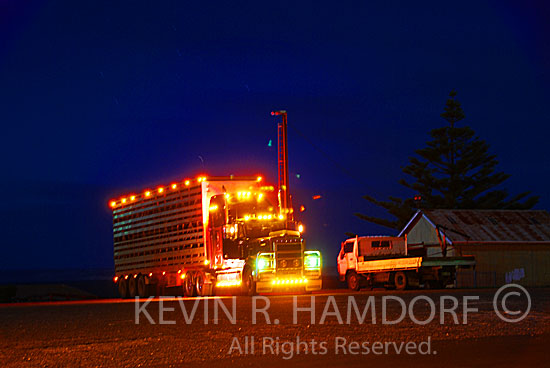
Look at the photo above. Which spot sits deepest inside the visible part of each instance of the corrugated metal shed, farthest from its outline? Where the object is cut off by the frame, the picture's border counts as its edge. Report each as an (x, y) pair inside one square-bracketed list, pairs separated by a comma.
[(488, 226)]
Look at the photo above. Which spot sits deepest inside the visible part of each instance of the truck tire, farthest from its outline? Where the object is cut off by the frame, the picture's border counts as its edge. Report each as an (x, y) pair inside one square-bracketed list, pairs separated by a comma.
[(189, 285), (248, 285), (353, 280), (400, 280), (200, 279), (132, 286), (122, 287), (142, 287)]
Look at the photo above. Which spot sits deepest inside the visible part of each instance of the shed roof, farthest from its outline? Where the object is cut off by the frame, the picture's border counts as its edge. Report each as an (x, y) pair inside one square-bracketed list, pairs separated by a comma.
[(488, 225)]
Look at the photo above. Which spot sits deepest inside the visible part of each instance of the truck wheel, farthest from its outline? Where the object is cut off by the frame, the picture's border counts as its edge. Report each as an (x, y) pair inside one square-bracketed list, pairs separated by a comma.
[(248, 285), (142, 288), (353, 281), (132, 287), (199, 283), (122, 287), (189, 285), (400, 280)]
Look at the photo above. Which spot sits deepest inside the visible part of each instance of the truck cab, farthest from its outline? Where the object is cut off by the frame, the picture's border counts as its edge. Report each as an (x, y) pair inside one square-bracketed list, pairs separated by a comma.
[(347, 259), (256, 248)]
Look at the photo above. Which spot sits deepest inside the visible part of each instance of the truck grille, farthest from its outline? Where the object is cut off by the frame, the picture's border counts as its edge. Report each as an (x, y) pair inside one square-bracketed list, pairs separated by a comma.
[(289, 263), (289, 256)]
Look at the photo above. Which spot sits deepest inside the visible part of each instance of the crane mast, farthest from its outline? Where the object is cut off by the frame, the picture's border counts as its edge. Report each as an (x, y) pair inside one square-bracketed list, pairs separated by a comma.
[(282, 160)]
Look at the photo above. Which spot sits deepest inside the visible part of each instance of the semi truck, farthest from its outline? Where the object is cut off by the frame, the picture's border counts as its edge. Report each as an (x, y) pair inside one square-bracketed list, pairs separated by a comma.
[(209, 234), (386, 261)]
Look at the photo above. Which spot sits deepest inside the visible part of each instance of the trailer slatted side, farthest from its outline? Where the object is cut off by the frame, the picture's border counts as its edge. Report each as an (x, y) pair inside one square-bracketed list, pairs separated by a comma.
[(163, 231)]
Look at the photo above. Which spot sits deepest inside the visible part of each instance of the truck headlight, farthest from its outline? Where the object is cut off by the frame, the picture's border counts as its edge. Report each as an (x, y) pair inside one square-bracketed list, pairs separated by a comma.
[(264, 262), (312, 259)]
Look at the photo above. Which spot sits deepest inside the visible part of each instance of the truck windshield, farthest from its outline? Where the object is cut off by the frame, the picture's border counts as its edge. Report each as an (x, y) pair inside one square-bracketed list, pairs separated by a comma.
[(256, 211), (248, 205), (259, 229)]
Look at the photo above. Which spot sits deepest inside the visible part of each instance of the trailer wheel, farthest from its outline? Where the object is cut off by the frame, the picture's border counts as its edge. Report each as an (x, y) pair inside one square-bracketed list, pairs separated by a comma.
[(400, 280), (142, 288), (248, 286), (132, 287), (189, 285), (353, 280), (199, 283), (122, 288)]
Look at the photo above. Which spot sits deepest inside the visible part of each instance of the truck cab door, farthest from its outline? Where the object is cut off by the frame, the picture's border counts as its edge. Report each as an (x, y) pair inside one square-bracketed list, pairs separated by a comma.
[(346, 258), (350, 251), (341, 261)]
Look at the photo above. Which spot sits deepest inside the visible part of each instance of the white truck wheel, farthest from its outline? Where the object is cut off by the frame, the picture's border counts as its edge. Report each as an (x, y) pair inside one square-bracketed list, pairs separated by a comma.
[(353, 280)]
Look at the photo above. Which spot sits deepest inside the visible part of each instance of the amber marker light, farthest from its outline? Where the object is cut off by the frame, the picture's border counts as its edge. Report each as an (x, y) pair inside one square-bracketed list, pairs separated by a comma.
[(228, 283), (187, 182), (160, 190), (112, 204), (174, 186), (123, 200), (147, 193), (133, 198), (259, 178)]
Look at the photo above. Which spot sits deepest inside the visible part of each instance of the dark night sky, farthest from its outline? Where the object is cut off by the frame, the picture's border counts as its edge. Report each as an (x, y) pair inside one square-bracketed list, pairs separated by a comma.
[(100, 98)]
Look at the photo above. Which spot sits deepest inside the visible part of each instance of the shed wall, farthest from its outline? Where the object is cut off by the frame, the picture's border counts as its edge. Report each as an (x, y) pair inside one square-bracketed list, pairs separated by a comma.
[(498, 264)]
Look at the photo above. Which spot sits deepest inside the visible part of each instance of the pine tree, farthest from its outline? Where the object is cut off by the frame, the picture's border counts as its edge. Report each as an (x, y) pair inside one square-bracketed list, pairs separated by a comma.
[(454, 171)]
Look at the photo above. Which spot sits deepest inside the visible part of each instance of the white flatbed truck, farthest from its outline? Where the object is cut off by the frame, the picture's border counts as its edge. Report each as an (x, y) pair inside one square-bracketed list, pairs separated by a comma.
[(386, 261)]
